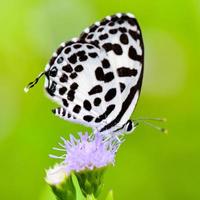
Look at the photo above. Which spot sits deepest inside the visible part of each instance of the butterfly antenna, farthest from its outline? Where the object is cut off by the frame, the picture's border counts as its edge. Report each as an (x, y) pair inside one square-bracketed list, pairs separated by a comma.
[(31, 84), (151, 119), (146, 122)]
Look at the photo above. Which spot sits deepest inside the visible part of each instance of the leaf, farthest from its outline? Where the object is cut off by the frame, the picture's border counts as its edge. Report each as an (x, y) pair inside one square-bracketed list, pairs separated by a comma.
[(79, 194), (110, 195)]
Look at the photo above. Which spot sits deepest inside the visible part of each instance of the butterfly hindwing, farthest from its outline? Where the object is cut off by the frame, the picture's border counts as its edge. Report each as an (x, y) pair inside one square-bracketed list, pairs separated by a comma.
[(79, 83)]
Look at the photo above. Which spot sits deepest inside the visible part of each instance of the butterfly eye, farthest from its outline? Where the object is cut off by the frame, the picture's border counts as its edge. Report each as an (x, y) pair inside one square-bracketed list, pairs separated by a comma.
[(129, 126), (53, 72)]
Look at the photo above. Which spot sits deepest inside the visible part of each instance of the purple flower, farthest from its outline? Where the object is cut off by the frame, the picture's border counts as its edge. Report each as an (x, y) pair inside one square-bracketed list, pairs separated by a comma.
[(88, 152)]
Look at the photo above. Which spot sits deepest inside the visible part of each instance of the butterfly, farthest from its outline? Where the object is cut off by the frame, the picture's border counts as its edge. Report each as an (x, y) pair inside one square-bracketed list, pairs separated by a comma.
[(96, 78)]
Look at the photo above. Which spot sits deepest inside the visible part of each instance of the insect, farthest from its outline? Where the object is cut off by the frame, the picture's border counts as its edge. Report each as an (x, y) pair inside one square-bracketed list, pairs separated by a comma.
[(96, 78)]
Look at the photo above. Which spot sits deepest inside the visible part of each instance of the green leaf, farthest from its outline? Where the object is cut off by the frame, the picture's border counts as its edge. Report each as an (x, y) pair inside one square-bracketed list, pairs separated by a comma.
[(110, 195), (79, 194)]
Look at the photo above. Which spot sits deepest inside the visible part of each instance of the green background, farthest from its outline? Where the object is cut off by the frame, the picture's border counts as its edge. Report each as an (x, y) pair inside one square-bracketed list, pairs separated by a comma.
[(149, 165)]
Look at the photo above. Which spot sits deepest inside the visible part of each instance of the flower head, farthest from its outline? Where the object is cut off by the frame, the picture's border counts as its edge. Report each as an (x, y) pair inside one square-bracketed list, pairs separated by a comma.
[(87, 153), (88, 156)]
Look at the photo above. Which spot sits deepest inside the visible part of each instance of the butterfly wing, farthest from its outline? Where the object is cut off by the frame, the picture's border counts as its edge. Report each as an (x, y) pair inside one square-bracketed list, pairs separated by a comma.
[(120, 36), (97, 77), (77, 81)]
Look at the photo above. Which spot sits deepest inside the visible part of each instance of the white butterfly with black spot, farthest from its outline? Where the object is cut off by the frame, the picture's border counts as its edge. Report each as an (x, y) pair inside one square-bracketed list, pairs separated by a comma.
[(97, 78)]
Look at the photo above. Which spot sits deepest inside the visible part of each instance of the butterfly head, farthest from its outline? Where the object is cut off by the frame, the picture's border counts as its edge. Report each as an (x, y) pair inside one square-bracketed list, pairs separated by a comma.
[(49, 84)]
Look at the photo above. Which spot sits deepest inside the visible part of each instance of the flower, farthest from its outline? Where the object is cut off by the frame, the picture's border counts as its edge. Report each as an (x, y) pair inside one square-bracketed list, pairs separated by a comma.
[(87, 153), (56, 175), (60, 182), (87, 157)]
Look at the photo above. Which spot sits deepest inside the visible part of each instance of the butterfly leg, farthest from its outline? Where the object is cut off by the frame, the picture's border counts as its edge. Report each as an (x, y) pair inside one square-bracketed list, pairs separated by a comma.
[(63, 114), (68, 116)]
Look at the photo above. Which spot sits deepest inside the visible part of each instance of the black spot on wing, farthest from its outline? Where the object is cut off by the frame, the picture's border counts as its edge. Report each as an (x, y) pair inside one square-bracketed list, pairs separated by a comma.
[(90, 36), (67, 50), (71, 95), (122, 29), (90, 46), (73, 75), (83, 58), (88, 118), (110, 94), (73, 59), (99, 74), (77, 109), (108, 77), (67, 68), (103, 37), (96, 89), (77, 46), (132, 21), (107, 46), (133, 54), (87, 105), (117, 49), (133, 34), (95, 43), (122, 87), (97, 101), (113, 31), (93, 28), (62, 90), (111, 24), (73, 86), (124, 72), (124, 38), (80, 53), (120, 21), (100, 29), (105, 63), (93, 55), (104, 22), (64, 78), (78, 68), (65, 102)]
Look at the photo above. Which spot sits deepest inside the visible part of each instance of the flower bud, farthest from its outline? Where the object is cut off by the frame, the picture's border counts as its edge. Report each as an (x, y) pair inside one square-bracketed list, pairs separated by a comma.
[(60, 183)]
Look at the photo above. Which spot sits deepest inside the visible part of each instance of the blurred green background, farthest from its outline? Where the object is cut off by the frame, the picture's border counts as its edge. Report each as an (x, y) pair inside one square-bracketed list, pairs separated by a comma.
[(149, 165)]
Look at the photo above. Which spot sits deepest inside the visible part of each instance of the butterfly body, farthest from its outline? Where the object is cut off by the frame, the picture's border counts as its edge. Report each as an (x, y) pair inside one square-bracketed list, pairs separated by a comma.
[(97, 78)]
